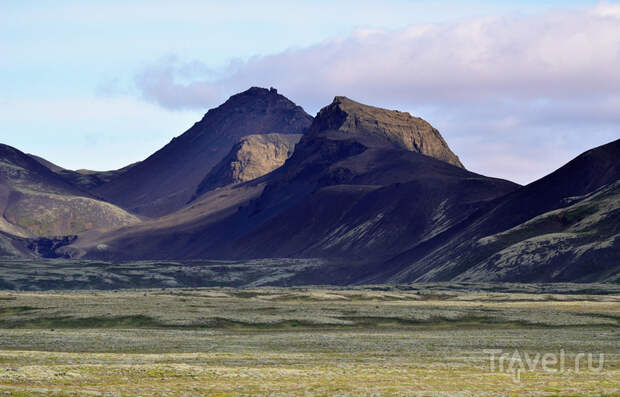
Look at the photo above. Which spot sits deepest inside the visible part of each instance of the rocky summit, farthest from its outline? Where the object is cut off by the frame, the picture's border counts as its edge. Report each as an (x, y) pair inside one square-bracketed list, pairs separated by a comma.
[(399, 128)]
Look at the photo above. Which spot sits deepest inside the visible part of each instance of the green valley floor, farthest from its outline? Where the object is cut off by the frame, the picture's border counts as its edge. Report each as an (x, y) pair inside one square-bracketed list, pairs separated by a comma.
[(405, 340)]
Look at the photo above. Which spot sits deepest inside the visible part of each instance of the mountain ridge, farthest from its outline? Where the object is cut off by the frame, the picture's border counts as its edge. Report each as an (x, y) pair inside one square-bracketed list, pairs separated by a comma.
[(332, 168), (375, 195), (563, 188)]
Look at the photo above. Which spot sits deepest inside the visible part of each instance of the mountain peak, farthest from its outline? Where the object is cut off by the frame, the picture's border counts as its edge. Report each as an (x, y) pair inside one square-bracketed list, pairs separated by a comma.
[(254, 90), (259, 101), (347, 116), (259, 95), (167, 180)]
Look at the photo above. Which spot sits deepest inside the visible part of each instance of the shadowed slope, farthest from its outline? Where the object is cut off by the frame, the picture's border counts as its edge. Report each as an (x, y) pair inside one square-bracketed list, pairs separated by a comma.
[(557, 228)]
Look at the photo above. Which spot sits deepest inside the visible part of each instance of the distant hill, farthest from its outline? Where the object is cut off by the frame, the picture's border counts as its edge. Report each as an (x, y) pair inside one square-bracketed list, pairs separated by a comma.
[(36, 202), (167, 180), (84, 179), (47, 164)]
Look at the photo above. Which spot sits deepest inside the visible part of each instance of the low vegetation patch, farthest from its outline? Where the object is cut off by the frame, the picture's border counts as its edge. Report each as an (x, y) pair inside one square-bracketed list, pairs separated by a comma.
[(409, 340)]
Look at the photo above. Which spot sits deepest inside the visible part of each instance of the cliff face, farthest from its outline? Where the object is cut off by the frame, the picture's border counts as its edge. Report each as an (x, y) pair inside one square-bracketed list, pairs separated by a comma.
[(252, 157), (400, 128)]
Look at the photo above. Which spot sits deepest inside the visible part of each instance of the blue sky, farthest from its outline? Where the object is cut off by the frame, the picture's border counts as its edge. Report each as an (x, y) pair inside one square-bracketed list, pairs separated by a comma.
[(102, 84)]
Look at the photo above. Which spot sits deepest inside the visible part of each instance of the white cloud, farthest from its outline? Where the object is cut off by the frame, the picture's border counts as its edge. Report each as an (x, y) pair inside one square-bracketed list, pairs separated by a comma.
[(555, 55), (607, 9), (535, 89)]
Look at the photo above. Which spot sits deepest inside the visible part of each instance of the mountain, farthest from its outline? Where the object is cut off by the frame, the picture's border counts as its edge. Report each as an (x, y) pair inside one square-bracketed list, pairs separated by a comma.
[(84, 179), (563, 227), (252, 157), (167, 180), (580, 242), (371, 195), (360, 194), (34, 201)]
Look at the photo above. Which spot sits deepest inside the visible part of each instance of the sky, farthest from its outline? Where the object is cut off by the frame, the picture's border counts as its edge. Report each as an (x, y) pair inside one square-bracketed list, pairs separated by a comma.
[(517, 88)]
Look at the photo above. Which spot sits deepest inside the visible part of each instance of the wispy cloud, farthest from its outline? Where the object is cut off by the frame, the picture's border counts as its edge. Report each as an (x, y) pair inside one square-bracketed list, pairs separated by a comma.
[(548, 81), (555, 55)]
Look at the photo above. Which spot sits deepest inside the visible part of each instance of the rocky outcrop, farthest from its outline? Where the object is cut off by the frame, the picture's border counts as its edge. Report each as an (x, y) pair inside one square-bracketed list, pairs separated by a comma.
[(252, 157), (400, 128)]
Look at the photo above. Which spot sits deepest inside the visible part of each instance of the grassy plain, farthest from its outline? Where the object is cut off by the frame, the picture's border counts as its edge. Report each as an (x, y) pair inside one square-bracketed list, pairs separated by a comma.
[(426, 339)]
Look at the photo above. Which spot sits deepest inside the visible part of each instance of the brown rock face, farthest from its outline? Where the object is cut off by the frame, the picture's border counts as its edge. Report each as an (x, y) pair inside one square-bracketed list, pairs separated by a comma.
[(399, 128), (252, 157)]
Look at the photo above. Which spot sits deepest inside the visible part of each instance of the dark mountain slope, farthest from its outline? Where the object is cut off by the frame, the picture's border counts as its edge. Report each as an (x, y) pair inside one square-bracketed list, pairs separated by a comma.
[(580, 242), (10, 246), (584, 174), (345, 193), (168, 179), (372, 215), (34, 201), (529, 227)]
